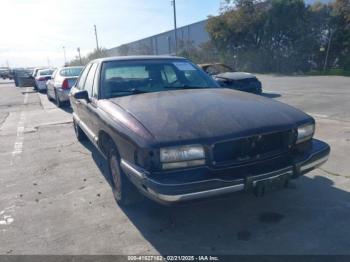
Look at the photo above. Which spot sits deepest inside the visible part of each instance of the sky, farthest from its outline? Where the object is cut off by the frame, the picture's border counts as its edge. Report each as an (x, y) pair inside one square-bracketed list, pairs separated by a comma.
[(33, 32)]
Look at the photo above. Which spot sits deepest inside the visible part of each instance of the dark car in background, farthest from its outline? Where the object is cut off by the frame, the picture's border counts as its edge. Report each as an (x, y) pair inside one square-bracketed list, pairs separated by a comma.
[(172, 134), (23, 77), (5, 73), (60, 83), (226, 77)]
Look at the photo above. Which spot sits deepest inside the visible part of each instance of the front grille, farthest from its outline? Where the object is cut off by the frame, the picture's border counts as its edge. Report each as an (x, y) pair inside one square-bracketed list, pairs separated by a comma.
[(252, 148)]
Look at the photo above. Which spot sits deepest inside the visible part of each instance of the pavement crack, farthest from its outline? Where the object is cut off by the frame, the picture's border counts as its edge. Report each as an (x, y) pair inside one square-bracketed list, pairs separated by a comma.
[(4, 119), (332, 173), (80, 152), (54, 124)]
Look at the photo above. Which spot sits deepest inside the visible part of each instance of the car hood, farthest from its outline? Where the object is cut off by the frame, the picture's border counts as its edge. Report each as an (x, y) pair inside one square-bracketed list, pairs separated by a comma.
[(217, 113), (235, 75)]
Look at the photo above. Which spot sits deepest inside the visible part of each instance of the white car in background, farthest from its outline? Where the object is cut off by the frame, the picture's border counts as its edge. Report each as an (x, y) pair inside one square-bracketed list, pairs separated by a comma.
[(42, 77), (62, 80)]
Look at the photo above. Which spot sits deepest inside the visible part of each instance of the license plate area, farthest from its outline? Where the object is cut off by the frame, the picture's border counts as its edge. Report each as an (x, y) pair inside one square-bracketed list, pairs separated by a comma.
[(271, 184)]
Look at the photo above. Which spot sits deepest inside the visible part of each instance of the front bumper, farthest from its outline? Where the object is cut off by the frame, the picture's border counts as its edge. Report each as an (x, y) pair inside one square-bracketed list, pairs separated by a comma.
[(177, 187)]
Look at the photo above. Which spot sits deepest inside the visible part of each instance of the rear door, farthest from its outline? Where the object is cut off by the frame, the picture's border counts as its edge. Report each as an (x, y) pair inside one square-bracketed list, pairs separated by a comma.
[(79, 85), (87, 109)]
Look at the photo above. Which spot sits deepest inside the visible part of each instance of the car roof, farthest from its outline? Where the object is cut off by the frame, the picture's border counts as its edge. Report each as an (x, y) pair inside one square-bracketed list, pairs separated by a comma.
[(39, 68), (46, 69), (68, 67), (140, 57)]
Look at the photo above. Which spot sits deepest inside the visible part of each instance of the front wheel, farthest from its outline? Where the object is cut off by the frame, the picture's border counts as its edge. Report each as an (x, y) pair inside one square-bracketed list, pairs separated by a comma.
[(47, 95), (125, 193)]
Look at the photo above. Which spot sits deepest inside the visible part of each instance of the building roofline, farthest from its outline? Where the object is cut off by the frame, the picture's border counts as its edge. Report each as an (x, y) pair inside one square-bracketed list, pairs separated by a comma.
[(156, 35), (138, 57)]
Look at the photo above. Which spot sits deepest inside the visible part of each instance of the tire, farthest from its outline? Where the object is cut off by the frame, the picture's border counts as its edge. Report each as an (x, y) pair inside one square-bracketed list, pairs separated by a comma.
[(57, 100), (79, 133), (48, 96), (125, 193)]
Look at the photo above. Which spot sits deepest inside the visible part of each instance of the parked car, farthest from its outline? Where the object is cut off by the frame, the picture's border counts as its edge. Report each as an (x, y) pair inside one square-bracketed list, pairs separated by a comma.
[(23, 77), (42, 77), (226, 77), (4, 73), (58, 87), (34, 74), (171, 133)]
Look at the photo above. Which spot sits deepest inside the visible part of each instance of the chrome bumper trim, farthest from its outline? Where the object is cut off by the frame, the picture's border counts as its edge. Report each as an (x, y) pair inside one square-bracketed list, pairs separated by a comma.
[(197, 195), (132, 170), (314, 164), (129, 167)]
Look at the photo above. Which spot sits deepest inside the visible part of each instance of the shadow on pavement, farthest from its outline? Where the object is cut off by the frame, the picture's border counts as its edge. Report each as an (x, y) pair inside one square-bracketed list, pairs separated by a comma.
[(67, 108), (310, 217)]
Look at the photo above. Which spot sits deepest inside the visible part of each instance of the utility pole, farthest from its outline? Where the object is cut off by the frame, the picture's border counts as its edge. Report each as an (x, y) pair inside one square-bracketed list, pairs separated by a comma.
[(175, 25), (78, 49), (328, 48), (64, 53), (97, 47)]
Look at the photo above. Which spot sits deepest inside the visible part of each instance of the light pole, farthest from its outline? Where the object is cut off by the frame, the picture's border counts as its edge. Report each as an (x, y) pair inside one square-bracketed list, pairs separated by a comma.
[(327, 53), (97, 47), (175, 25), (78, 49), (64, 54)]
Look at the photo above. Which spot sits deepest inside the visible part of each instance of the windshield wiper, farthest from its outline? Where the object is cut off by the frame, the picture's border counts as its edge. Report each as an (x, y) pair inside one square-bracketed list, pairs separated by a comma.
[(133, 91), (184, 87)]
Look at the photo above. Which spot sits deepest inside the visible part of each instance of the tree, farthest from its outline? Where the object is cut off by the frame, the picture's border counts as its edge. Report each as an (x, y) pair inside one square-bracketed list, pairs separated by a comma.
[(97, 53), (281, 35), (340, 47)]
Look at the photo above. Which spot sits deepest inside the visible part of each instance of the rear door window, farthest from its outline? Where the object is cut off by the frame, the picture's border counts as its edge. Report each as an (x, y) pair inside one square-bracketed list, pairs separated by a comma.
[(89, 83), (83, 76)]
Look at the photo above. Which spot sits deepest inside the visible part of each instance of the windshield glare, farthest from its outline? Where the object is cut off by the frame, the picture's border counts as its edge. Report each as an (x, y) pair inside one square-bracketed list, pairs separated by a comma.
[(123, 77), (45, 72), (72, 71)]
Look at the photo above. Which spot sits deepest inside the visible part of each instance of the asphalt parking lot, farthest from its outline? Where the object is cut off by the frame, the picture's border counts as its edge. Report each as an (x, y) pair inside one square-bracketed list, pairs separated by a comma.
[(56, 199)]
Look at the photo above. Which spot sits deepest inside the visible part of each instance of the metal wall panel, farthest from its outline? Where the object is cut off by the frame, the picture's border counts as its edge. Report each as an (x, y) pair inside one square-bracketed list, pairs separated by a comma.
[(164, 43)]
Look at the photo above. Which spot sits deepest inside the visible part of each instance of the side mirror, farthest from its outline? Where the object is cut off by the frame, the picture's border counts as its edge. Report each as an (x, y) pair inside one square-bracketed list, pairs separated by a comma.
[(82, 95)]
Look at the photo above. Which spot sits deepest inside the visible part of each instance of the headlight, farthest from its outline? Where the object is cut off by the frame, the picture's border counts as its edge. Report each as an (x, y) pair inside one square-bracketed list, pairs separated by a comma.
[(182, 156), (305, 132)]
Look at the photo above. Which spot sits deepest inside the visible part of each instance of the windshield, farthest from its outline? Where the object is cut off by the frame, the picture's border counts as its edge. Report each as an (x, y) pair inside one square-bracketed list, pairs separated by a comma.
[(71, 71), (46, 72), (126, 77)]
